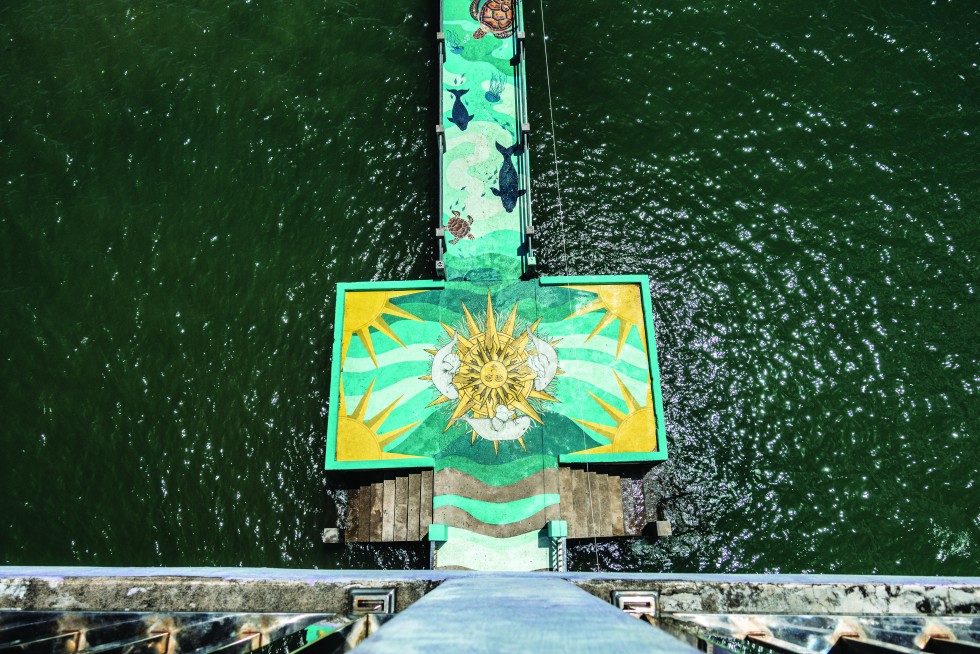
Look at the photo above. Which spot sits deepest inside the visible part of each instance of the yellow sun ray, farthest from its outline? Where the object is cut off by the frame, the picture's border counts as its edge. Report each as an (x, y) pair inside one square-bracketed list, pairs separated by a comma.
[(383, 327), (461, 408), (364, 310), (621, 302), (379, 418), (594, 305), (508, 327), (387, 438), (526, 407), (361, 409), (490, 330), (613, 412), (521, 341), (470, 323), (603, 430), (358, 438), (631, 404), (464, 343), (603, 323), (633, 431)]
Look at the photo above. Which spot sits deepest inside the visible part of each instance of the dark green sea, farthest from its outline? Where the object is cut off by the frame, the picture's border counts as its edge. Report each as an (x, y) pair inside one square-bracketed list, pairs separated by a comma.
[(183, 184)]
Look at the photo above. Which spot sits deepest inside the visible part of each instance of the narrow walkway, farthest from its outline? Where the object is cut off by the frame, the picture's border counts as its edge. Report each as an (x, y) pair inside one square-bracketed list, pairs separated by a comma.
[(484, 196)]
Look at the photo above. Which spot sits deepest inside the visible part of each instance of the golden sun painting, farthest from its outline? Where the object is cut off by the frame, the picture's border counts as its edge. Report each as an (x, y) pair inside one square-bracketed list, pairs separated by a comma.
[(493, 375), (620, 302)]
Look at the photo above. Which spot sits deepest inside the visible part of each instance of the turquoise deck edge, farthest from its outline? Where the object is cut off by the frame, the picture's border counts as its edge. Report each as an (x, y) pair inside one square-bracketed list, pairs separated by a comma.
[(330, 457), (660, 454)]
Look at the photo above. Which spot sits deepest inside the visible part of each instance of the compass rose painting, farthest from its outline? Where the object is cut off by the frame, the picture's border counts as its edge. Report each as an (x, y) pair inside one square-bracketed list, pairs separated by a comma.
[(446, 372)]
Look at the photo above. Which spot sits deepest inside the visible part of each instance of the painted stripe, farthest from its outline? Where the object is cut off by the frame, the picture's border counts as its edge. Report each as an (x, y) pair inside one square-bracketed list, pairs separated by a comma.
[(457, 482), (498, 513), (502, 474), (456, 517), (471, 551)]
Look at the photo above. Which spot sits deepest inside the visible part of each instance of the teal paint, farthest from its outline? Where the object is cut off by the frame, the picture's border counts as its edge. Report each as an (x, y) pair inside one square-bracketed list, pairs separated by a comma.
[(438, 532), (557, 529), (498, 513), (492, 376), (502, 474)]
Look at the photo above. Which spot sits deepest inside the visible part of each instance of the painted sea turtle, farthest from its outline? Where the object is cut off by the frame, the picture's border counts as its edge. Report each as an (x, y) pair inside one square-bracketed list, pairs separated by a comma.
[(495, 17), (459, 228)]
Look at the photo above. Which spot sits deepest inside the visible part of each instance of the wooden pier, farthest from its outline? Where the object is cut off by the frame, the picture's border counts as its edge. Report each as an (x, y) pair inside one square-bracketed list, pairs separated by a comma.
[(492, 410), (399, 509)]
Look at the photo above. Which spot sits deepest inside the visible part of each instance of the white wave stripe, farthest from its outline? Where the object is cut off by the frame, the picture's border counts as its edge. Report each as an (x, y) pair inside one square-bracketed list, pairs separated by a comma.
[(596, 375), (409, 353), (630, 354), (406, 389), (525, 552)]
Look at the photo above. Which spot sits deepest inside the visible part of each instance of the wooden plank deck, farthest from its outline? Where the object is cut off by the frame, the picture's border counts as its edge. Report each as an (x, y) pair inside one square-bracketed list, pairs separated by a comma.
[(399, 509), (414, 505)]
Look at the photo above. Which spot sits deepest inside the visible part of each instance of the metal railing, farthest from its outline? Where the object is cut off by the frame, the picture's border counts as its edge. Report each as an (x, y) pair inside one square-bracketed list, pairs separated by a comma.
[(171, 611)]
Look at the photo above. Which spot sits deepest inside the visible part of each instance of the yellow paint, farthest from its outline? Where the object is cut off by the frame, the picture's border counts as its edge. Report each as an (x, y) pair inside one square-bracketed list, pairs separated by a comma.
[(366, 309), (620, 302), (358, 439), (493, 369), (634, 431)]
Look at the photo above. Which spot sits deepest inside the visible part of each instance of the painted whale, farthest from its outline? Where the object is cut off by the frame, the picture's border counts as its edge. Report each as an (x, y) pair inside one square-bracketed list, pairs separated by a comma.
[(507, 180), (460, 117), (445, 365), (544, 362)]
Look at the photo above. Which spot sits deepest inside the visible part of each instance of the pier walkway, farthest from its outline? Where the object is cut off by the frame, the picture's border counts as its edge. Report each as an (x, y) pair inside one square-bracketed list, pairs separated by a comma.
[(485, 201), (508, 387)]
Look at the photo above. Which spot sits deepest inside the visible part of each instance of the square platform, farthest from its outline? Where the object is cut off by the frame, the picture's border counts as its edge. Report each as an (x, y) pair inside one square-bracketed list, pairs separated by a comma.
[(555, 370)]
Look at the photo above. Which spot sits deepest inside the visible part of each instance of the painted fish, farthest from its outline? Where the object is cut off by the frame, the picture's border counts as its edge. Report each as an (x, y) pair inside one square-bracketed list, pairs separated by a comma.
[(507, 179), (544, 362), (461, 117), (445, 365), (511, 430)]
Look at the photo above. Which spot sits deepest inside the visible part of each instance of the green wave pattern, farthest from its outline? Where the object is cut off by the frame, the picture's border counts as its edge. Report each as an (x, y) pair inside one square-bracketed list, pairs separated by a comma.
[(498, 513), (530, 551), (503, 474)]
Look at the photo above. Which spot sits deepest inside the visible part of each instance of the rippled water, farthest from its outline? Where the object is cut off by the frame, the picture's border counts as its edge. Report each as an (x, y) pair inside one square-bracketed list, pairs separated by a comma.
[(182, 186)]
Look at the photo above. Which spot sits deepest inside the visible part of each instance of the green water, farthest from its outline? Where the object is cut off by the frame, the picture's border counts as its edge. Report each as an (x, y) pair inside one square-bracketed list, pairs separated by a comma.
[(181, 186)]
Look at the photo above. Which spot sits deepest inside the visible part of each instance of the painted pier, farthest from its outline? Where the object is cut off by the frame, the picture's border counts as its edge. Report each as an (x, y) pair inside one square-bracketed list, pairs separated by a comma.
[(488, 410)]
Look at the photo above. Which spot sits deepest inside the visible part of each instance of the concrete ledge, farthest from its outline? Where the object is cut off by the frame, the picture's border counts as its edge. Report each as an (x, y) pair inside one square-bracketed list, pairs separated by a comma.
[(326, 591)]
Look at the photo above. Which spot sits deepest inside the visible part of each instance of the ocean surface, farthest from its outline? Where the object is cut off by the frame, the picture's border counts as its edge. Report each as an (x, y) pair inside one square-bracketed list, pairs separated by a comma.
[(183, 184)]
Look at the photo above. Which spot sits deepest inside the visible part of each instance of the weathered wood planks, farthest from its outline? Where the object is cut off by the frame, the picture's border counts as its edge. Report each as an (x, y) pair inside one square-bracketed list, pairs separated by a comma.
[(425, 515), (597, 505), (414, 505), (377, 511), (399, 509)]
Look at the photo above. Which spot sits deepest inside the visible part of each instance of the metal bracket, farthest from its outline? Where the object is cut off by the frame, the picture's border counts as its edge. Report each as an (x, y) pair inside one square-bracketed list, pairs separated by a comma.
[(372, 600), (441, 41), (441, 136), (635, 603), (519, 53)]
